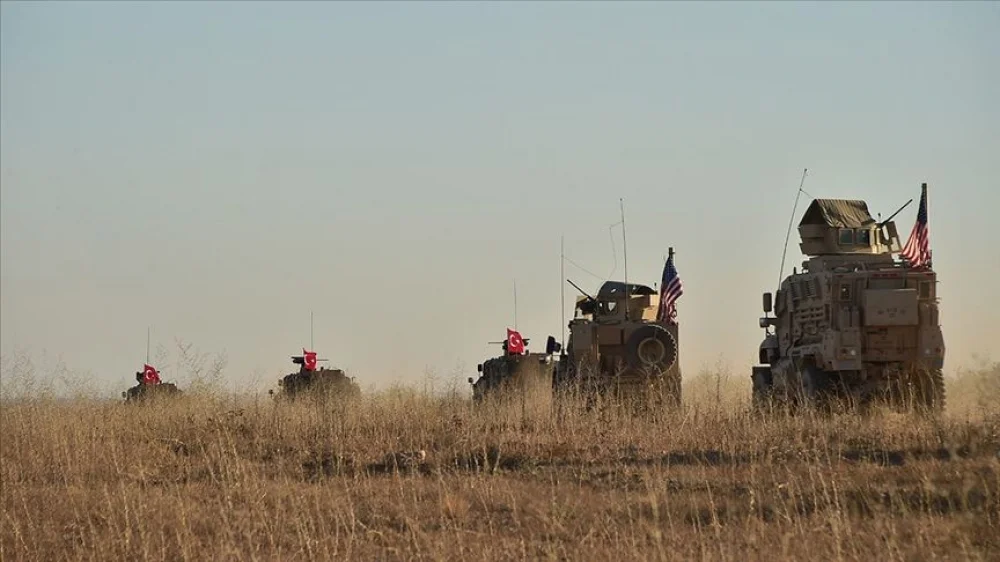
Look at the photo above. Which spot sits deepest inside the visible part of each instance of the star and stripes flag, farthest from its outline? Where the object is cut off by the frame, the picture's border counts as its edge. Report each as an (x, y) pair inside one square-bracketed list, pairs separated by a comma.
[(671, 289), (917, 251)]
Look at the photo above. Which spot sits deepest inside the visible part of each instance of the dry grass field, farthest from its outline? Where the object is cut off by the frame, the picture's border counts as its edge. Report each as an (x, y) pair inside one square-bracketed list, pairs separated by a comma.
[(216, 477)]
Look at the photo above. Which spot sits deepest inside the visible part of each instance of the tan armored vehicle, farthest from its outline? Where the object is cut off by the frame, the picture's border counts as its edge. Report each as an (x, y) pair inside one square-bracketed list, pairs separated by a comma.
[(311, 380), (618, 348), (854, 324), (517, 374)]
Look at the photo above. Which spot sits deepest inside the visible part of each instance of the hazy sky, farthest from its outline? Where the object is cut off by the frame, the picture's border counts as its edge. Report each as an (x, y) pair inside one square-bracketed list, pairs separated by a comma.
[(218, 171)]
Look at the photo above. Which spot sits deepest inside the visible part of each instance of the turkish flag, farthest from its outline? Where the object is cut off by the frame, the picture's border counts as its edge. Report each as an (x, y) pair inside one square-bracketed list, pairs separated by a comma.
[(150, 375), (310, 359), (515, 345)]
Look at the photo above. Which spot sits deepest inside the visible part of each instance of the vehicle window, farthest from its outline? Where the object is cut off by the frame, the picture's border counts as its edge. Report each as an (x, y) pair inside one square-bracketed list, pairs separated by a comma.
[(864, 237), (846, 237)]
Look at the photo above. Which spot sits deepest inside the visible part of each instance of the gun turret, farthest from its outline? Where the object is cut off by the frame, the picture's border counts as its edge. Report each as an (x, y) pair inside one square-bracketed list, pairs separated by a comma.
[(584, 293)]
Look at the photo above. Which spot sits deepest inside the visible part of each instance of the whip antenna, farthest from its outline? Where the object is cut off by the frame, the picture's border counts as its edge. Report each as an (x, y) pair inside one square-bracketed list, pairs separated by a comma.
[(562, 287), (515, 304), (621, 203), (790, 220)]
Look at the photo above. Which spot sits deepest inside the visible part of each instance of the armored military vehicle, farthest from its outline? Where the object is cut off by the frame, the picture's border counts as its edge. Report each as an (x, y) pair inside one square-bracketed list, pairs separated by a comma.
[(619, 346), (311, 380), (516, 373), (150, 386), (855, 326)]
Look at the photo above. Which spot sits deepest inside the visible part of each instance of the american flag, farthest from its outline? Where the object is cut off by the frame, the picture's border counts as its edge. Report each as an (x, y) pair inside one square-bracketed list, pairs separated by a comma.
[(917, 249), (671, 289)]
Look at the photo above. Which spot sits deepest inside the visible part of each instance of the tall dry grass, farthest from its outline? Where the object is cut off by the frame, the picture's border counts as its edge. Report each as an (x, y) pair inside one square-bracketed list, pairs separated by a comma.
[(239, 477)]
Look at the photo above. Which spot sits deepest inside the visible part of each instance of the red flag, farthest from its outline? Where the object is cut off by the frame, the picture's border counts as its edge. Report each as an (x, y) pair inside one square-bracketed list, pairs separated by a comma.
[(310, 359), (150, 375), (515, 345)]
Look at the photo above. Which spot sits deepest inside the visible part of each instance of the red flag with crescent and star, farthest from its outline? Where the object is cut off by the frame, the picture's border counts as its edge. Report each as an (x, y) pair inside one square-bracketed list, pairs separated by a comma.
[(515, 344), (309, 359), (150, 375)]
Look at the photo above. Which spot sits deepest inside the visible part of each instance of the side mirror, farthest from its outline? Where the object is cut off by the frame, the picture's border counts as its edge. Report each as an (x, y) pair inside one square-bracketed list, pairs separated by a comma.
[(767, 303), (479, 367), (552, 346), (470, 380), (124, 394)]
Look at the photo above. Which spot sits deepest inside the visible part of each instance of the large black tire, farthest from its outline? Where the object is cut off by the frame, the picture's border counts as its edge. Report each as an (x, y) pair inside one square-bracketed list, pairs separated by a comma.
[(817, 390), (763, 387), (651, 347)]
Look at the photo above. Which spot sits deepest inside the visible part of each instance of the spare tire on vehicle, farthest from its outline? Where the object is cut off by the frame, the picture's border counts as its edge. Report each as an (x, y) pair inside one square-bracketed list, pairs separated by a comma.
[(651, 347)]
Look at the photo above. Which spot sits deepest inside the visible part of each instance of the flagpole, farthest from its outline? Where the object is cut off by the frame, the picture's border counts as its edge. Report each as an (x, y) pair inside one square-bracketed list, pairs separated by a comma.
[(670, 256), (312, 343), (147, 345)]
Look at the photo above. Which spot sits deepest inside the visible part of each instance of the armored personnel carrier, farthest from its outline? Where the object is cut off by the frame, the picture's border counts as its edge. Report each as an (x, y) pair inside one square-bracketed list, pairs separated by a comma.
[(150, 386), (516, 373), (855, 325), (311, 380), (619, 346)]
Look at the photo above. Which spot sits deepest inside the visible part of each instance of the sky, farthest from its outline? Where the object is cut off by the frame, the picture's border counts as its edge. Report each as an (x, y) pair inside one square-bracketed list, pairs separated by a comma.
[(218, 172)]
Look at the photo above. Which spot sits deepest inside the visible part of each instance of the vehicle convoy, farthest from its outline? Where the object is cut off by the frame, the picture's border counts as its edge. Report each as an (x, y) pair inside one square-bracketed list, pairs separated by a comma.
[(855, 325), (623, 342), (149, 386), (311, 380), (516, 373)]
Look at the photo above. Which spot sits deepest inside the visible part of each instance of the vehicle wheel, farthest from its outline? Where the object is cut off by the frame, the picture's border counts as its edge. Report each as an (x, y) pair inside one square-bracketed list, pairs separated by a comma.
[(651, 347), (817, 387), (763, 387)]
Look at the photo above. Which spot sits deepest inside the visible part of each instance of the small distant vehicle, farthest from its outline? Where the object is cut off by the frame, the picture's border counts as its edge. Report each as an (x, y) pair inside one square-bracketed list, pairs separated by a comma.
[(150, 386), (855, 326), (314, 381), (516, 373)]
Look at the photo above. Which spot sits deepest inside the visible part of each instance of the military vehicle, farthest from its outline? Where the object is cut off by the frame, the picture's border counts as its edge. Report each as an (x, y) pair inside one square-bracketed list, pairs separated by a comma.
[(150, 387), (619, 347), (316, 382), (516, 374), (855, 326)]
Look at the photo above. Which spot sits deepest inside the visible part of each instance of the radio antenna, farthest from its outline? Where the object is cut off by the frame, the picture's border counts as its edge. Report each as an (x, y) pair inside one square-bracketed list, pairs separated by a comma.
[(515, 304), (562, 288), (790, 219), (621, 203)]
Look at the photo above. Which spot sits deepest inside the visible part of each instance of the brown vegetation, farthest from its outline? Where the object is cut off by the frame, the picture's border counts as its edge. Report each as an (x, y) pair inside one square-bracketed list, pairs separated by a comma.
[(402, 475)]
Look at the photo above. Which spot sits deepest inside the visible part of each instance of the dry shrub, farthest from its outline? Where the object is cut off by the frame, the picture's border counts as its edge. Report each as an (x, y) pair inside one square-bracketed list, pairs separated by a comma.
[(403, 474)]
